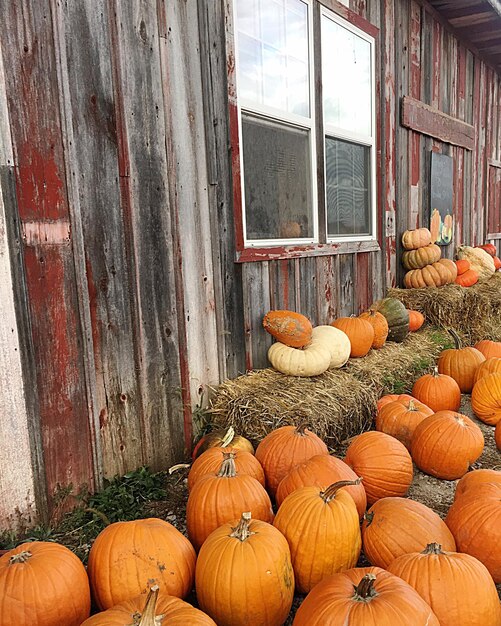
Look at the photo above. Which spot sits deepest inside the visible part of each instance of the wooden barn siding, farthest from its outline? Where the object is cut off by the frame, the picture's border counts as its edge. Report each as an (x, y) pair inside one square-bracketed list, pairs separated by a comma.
[(422, 58)]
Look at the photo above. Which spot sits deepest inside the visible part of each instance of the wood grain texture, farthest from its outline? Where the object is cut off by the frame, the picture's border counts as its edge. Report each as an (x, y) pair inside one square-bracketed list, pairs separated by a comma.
[(29, 62), (430, 121)]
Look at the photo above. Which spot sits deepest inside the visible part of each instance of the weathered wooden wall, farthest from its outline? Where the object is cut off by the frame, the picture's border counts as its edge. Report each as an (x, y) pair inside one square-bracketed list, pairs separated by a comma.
[(117, 239)]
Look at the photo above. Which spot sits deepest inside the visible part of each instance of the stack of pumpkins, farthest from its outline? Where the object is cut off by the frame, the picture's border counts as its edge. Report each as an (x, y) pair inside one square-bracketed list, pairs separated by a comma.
[(476, 264), (301, 350), (422, 259)]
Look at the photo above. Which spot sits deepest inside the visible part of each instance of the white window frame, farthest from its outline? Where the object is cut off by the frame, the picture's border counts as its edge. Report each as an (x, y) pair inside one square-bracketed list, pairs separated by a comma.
[(364, 140), (298, 121), (287, 248)]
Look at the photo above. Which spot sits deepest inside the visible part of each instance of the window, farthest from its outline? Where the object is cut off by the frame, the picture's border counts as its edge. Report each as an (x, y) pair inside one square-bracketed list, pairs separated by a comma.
[(279, 123)]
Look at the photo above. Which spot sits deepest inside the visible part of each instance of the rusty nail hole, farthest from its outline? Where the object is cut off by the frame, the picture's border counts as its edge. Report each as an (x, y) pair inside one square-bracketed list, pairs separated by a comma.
[(122, 447), (123, 397), (26, 48), (167, 331)]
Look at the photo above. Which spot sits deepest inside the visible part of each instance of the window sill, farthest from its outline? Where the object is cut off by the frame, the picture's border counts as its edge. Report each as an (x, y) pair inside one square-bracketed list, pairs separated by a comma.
[(249, 255)]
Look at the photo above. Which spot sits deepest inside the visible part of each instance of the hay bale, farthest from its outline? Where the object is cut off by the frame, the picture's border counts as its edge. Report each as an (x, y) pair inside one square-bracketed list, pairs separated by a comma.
[(475, 312), (337, 404)]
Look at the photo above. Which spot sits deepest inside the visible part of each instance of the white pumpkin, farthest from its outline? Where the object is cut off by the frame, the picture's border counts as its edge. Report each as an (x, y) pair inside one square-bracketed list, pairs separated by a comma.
[(329, 348), (480, 261), (336, 341)]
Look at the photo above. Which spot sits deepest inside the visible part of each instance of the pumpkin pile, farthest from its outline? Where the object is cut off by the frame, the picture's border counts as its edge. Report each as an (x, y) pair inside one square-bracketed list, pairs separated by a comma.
[(422, 259), (304, 350)]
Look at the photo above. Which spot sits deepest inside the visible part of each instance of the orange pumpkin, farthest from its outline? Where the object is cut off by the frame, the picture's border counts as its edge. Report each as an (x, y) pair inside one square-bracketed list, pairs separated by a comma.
[(401, 419), (416, 259), (463, 265), (393, 397), (127, 558), (468, 279), (497, 435), (362, 596), (244, 575), (43, 583), (218, 498), (396, 526), (438, 391), (416, 320), (489, 348), (221, 439), (441, 578), (461, 364), (486, 399), (475, 519), (471, 480), (285, 447), (417, 238), (321, 470), (288, 327), (445, 444), (210, 462), (380, 325), (313, 519), (434, 275), (451, 267), (382, 462), (490, 248), (489, 366), (151, 611), (497, 262), (360, 333)]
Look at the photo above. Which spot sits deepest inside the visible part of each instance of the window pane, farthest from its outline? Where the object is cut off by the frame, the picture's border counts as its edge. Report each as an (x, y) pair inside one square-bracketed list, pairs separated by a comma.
[(273, 54), (277, 170), (346, 76), (347, 188)]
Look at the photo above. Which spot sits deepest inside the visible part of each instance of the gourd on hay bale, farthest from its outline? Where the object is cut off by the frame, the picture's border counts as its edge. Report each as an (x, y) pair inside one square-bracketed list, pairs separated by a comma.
[(336, 405), (475, 312)]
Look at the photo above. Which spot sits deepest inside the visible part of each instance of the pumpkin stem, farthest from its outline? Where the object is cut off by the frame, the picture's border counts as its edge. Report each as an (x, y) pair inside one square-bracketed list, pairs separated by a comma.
[(365, 591), (330, 493), (412, 406), (228, 469), (228, 437), (433, 548), (455, 336), (435, 372), (368, 517), (148, 617), (21, 557), (241, 531), (302, 426)]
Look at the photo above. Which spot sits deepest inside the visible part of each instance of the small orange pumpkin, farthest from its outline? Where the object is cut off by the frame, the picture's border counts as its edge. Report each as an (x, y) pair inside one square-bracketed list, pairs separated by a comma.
[(361, 596), (244, 574), (471, 480), (489, 366), (151, 611), (288, 327), (313, 519), (400, 420), (489, 348), (497, 262), (219, 498), (221, 439), (43, 583), (441, 577), (210, 462), (360, 333), (379, 324), (460, 363), (438, 391), (396, 526), (382, 462), (321, 470), (393, 397), (416, 238), (445, 444), (463, 265), (468, 279), (486, 399), (285, 447), (497, 435), (475, 519), (416, 320)]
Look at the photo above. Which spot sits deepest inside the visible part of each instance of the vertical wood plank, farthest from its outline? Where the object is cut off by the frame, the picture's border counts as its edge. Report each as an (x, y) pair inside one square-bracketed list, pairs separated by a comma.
[(185, 137), (327, 301), (308, 279), (345, 285), (50, 272), (256, 304), (415, 204)]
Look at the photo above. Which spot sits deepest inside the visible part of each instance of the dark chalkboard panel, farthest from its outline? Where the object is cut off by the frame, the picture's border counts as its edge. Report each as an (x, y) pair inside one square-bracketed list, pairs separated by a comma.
[(441, 194)]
